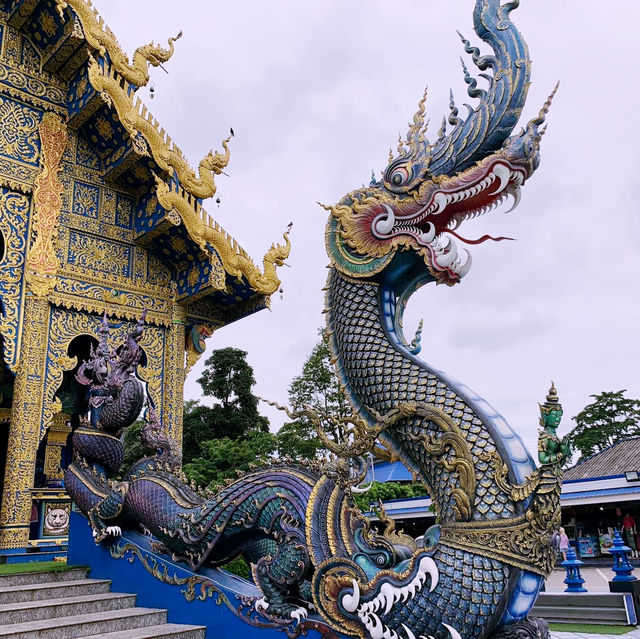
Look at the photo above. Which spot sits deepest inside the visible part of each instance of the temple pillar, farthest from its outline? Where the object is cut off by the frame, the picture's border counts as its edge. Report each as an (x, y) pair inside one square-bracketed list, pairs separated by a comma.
[(29, 390), (173, 399), (24, 432)]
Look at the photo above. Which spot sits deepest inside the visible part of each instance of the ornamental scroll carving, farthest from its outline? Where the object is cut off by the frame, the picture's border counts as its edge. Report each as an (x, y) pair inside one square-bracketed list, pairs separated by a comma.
[(14, 212), (42, 261)]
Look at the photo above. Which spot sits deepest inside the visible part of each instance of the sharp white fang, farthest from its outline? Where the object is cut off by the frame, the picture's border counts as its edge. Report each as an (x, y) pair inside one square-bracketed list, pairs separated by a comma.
[(409, 632), (385, 224), (504, 175), (427, 565), (428, 234), (516, 193), (350, 602), (261, 604), (377, 628), (440, 200), (386, 593), (464, 269), (446, 259)]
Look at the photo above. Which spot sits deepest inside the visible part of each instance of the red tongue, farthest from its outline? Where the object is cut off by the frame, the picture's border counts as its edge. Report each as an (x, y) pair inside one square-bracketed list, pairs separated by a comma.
[(484, 238)]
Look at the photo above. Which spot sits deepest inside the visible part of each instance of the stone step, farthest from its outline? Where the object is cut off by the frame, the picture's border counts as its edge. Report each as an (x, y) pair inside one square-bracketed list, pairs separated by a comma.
[(597, 615), (586, 599), (21, 611), (25, 578), (168, 630), (53, 590), (87, 625)]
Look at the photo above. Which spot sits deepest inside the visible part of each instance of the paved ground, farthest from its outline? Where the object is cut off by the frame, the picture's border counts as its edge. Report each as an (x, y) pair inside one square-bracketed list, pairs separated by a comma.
[(634, 634), (596, 579)]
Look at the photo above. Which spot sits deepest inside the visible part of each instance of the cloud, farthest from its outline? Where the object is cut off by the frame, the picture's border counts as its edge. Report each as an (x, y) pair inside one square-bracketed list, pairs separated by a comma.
[(317, 93)]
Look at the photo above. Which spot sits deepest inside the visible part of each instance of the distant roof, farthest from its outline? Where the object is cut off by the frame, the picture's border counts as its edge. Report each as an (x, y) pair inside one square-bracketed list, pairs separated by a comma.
[(615, 460), (390, 471)]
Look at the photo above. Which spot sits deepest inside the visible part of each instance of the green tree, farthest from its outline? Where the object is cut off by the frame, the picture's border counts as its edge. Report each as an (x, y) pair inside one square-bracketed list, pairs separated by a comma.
[(230, 434), (610, 418), (221, 458), (133, 448), (198, 426), (229, 379), (386, 491), (318, 387)]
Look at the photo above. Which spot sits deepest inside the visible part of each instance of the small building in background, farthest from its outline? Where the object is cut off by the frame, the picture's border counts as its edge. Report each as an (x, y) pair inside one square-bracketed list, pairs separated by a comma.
[(597, 494)]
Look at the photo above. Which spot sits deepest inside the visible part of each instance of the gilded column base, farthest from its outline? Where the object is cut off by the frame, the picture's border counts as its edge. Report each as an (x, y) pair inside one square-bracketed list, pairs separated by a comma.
[(13, 537)]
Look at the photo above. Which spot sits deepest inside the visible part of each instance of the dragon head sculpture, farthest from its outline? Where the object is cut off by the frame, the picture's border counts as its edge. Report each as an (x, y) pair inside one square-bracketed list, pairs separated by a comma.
[(400, 232), (429, 189)]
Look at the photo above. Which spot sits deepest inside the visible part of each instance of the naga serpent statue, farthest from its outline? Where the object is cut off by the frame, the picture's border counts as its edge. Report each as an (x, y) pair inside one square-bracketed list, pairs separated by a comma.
[(477, 574)]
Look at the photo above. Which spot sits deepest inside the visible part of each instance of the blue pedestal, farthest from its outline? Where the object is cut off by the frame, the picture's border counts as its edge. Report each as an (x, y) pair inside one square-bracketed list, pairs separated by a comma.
[(213, 598), (573, 579)]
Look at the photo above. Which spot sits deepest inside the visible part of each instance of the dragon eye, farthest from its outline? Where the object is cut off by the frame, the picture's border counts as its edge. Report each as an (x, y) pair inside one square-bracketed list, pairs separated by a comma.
[(399, 176)]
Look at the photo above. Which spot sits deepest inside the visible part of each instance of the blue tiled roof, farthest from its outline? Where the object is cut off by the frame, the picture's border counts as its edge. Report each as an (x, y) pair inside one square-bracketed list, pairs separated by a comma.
[(387, 471), (626, 490)]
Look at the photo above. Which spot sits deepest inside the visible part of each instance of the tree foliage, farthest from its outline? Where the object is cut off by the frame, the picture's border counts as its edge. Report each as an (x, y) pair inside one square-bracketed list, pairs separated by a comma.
[(230, 434), (220, 458), (316, 386), (228, 378), (133, 448), (610, 418), (386, 491)]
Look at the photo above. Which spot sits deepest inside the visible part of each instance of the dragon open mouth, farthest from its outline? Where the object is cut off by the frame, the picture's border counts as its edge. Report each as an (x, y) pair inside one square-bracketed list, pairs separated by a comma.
[(371, 609), (474, 193)]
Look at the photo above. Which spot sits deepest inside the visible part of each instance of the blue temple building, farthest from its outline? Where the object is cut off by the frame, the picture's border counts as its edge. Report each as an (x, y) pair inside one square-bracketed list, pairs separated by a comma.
[(99, 212)]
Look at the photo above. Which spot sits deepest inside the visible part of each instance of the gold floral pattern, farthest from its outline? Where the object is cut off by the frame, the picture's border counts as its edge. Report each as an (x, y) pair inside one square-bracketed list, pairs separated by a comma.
[(19, 131), (42, 261), (14, 210)]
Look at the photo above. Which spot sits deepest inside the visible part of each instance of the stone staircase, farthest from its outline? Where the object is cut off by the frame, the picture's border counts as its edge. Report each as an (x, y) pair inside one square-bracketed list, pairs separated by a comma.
[(596, 608), (65, 605)]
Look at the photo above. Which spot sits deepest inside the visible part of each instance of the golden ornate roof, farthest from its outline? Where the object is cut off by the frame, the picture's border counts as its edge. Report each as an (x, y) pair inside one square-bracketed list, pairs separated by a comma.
[(116, 79)]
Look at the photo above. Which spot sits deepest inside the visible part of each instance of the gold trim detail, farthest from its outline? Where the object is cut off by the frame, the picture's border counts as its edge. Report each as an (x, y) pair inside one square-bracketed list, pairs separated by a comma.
[(135, 118), (209, 235), (100, 37), (42, 261), (26, 419), (161, 572), (13, 226), (109, 78), (461, 463), (523, 541), (86, 296), (173, 369)]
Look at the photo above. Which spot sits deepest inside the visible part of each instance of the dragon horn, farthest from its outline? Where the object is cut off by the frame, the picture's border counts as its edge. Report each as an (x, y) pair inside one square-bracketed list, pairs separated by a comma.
[(536, 122), (491, 122)]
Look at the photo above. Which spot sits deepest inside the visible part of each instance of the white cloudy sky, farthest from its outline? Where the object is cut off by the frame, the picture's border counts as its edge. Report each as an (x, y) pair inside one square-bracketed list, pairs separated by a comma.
[(318, 91)]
